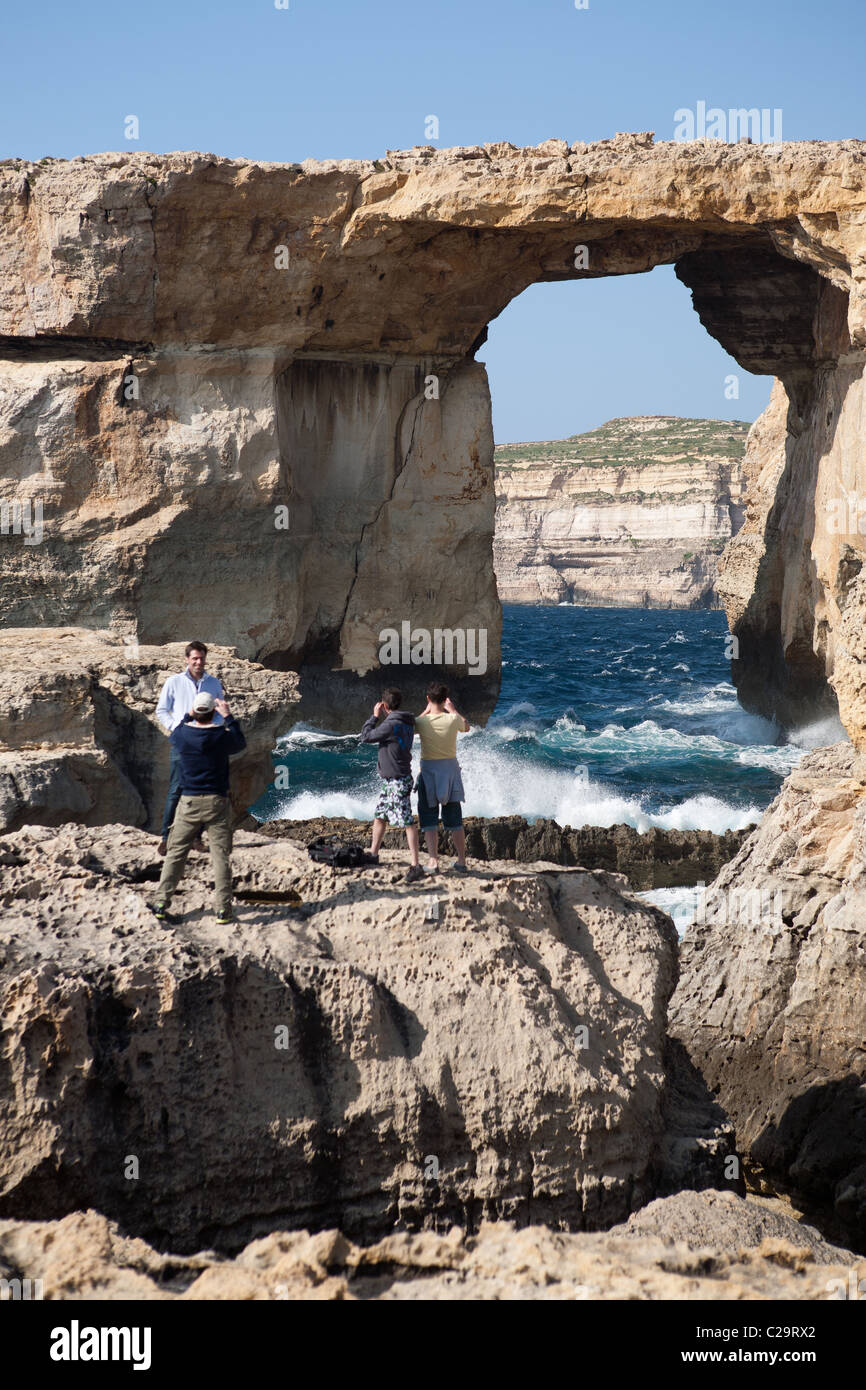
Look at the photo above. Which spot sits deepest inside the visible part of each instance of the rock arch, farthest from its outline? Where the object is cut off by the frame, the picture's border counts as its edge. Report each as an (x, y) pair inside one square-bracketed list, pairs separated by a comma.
[(258, 387)]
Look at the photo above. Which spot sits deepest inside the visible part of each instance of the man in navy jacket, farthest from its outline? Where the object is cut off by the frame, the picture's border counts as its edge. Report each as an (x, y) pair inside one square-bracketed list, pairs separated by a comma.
[(394, 737), (202, 748)]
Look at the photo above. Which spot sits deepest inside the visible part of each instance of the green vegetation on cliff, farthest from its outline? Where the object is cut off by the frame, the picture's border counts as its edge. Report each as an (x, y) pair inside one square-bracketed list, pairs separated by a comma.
[(632, 442)]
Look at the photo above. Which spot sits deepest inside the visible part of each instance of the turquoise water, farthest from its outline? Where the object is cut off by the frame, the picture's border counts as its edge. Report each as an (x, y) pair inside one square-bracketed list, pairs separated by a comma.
[(605, 716)]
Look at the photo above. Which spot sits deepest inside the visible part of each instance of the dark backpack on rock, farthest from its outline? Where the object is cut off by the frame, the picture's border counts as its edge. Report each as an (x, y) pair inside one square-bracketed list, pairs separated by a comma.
[(331, 851)]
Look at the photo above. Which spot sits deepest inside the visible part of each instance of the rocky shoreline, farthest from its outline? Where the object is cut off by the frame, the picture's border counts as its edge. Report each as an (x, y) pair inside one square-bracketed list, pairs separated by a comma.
[(527, 1046), (647, 859), (490, 1049)]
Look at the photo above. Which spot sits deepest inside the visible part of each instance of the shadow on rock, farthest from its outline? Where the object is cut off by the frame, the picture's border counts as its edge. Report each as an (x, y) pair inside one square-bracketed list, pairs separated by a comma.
[(817, 1148)]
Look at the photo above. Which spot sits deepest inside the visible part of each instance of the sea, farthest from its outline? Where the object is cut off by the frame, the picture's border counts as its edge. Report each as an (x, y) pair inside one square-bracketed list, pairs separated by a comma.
[(605, 716)]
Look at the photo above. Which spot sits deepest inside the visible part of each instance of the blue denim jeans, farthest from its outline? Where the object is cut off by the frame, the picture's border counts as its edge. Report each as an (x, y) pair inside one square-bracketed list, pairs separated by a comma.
[(173, 797)]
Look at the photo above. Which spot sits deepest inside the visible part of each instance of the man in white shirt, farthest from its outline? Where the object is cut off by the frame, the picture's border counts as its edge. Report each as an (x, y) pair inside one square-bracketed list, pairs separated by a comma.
[(175, 705)]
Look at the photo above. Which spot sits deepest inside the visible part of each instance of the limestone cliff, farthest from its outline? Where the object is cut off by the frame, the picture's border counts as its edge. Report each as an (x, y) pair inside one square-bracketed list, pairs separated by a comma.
[(633, 514), (791, 580)]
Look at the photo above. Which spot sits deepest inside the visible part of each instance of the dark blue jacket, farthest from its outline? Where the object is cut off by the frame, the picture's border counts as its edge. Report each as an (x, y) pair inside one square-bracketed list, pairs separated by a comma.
[(204, 751), (394, 737)]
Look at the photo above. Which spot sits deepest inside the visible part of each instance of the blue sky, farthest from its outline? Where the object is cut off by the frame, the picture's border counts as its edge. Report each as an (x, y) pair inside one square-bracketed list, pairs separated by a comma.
[(350, 80)]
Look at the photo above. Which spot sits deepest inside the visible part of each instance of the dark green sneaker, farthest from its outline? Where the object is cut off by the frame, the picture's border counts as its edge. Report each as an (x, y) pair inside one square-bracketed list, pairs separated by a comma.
[(225, 915), (162, 914)]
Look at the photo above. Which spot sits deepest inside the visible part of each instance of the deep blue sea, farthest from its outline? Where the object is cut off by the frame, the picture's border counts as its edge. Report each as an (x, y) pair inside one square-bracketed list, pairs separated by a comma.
[(605, 716)]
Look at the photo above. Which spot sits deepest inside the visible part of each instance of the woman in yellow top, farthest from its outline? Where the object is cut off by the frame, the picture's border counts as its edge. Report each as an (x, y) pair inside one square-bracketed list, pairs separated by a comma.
[(439, 782)]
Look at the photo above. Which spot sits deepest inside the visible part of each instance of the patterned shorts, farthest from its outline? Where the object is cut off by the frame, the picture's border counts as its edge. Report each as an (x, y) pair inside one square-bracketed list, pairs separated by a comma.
[(393, 804)]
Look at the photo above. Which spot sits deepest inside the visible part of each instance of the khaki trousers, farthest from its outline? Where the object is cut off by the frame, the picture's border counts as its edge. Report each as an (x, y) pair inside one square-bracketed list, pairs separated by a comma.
[(194, 814)]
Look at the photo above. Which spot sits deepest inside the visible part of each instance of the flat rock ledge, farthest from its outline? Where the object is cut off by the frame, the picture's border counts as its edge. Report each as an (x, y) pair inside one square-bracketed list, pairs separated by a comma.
[(650, 859), (353, 1053), (744, 1252)]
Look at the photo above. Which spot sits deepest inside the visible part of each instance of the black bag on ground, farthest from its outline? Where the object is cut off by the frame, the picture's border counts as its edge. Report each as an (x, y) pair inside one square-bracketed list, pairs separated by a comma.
[(329, 850)]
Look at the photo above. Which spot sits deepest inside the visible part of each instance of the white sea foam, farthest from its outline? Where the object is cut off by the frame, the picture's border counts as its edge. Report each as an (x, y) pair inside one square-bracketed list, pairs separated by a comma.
[(509, 735), (679, 903), (819, 734), (719, 708), (736, 725), (556, 795), (355, 805), (707, 813), (655, 742), (496, 785), (709, 700), (782, 760)]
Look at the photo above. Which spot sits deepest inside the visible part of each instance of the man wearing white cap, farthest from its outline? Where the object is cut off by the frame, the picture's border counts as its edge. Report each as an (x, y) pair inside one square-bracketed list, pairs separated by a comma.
[(175, 703), (203, 749)]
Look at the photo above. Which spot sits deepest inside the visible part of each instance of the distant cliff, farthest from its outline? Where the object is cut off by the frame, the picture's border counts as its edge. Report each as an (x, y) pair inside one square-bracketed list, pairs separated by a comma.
[(634, 514)]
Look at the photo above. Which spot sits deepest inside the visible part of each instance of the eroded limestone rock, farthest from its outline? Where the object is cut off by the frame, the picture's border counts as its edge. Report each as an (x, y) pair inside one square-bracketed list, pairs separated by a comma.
[(771, 1003), (790, 580), (745, 1252), (353, 1052)]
